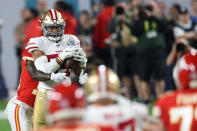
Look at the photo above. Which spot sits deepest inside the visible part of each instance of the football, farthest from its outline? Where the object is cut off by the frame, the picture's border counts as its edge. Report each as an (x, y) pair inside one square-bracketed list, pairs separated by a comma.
[(70, 63), (73, 65)]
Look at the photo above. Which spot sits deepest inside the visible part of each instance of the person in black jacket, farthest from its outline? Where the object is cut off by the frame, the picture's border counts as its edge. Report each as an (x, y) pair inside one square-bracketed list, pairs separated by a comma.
[(150, 50)]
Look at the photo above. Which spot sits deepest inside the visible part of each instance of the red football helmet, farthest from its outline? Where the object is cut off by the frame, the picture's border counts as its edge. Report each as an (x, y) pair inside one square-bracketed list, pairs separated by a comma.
[(185, 73), (67, 101)]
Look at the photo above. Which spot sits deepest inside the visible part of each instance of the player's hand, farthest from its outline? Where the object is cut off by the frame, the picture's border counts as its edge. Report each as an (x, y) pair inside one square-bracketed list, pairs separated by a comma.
[(68, 52), (79, 55), (58, 77), (83, 77)]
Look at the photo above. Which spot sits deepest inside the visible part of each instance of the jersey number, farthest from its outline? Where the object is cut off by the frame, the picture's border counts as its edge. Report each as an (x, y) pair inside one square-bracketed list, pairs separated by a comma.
[(185, 114), (127, 125)]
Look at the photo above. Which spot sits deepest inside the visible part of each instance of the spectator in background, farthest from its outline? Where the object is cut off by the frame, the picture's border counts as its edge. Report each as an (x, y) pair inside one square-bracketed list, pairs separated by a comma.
[(3, 89), (194, 10), (67, 13), (184, 32), (185, 27), (134, 3), (150, 50), (179, 48), (87, 46), (132, 16), (100, 32), (41, 6), (97, 7), (171, 19), (121, 40), (85, 26)]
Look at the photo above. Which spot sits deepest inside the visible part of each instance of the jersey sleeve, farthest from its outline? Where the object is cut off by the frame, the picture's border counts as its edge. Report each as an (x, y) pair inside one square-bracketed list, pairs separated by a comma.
[(32, 45), (27, 56)]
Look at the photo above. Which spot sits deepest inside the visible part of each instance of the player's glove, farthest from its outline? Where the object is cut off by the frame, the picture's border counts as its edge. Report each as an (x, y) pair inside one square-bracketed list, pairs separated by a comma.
[(83, 77), (58, 77), (79, 55), (68, 52)]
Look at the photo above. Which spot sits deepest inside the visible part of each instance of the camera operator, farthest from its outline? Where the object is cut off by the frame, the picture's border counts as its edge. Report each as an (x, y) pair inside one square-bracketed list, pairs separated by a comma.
[(150, 50), (121, 42), (186, 28), (179, 48)]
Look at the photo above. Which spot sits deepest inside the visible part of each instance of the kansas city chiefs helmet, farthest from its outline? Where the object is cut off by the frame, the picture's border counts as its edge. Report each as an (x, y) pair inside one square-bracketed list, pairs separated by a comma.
[(102, 83), (66, 101), (52, 18), (185, 72)]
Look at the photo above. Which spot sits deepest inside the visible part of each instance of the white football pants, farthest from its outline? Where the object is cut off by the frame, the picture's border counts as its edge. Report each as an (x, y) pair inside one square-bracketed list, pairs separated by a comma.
[(20, 118)]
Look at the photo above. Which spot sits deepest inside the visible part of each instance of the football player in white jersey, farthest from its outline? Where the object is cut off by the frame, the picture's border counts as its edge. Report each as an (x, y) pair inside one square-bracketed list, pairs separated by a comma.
[(107, 106), (50, 52)]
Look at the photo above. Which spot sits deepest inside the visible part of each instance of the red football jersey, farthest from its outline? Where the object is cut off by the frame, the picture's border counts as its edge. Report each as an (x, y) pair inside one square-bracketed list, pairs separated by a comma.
[(178, 110), (27, 86), (85, 127)]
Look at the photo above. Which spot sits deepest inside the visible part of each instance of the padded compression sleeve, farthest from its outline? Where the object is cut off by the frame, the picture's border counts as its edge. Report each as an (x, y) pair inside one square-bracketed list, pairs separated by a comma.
[(42, 64)]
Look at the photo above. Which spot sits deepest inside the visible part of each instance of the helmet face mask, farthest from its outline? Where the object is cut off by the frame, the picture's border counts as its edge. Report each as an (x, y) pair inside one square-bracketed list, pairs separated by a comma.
[(53, 19)]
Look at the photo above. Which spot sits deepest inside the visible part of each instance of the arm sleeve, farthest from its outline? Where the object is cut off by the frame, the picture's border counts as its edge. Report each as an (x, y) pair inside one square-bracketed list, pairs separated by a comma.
[(43, 65), (33, 45)]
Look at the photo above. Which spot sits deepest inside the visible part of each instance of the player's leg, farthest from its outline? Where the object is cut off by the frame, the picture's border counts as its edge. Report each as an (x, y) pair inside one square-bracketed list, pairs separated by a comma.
[(10, 112), (20, 118), (40, 109)]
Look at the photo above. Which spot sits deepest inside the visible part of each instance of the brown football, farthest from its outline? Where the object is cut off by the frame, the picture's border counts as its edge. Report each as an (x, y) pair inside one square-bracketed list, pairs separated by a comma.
[(69, 63), (73, 65)]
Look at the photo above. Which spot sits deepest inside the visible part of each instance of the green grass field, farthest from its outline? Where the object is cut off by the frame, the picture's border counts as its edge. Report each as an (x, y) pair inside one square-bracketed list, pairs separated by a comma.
[(4, 124)]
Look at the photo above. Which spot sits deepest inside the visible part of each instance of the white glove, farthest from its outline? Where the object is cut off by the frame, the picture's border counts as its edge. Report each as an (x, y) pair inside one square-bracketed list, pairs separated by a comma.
[(68, 52), (83, 77), (79, 55), (58, 77)]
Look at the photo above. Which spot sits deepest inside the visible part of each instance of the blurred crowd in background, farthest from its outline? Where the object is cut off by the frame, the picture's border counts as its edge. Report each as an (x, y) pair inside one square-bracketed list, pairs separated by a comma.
[(141, 41)]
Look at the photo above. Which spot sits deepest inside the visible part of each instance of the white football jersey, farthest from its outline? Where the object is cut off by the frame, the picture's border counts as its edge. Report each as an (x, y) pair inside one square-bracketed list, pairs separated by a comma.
[(51, 50), (125, 115)]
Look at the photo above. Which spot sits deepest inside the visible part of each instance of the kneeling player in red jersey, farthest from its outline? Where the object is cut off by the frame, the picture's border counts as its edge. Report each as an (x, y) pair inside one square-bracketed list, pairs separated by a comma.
[(177, 110), (66, 110)]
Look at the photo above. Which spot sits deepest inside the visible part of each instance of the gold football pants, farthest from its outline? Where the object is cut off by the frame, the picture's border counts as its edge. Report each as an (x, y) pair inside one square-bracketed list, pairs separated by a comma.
[(40, 109)]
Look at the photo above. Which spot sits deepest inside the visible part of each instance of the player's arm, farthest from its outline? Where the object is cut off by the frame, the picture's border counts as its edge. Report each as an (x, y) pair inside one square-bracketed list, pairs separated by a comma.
[(35, 47), (41, 61), (36, 74), (41, 76)]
